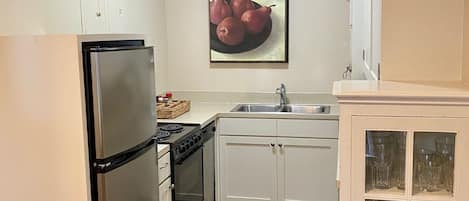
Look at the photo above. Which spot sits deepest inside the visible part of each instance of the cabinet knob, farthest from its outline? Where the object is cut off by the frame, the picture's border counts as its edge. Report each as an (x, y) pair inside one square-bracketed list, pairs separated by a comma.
[(98, 14), (272, 145), (171, 186), (280, 145)]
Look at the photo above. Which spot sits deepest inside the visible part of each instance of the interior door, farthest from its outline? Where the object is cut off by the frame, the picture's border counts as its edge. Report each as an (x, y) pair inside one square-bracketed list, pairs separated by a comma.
[(379, 144), (375, 61), (123, 98), (366, 38), (248, 168), (307, 169)]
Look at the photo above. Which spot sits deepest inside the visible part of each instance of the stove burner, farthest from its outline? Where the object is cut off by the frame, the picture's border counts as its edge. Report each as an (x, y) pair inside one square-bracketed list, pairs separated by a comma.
[(162, 135), (172, 128)]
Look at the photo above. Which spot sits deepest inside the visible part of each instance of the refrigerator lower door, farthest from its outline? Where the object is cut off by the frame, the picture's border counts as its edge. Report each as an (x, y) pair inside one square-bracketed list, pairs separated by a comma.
[(135, 181), (123, 88)]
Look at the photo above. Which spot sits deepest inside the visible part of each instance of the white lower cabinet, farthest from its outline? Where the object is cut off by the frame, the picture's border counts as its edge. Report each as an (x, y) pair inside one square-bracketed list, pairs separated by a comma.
[(253, 168), (307, 169), (164, 174), (165, 190), (248, 168)]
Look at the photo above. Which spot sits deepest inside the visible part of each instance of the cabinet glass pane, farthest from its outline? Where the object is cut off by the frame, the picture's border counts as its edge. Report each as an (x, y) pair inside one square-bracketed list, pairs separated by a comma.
[(433, 163), (385, 162)]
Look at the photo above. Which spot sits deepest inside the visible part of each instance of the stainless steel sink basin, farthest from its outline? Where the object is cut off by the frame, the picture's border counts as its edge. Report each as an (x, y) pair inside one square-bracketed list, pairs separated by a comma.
[(307, 109), (296, 109), (256, 108)]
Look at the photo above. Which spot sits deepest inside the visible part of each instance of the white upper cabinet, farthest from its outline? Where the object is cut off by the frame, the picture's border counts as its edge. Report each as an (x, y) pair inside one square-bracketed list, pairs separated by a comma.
[(132, 16), (22, 17), (120, 16), (94, 16)]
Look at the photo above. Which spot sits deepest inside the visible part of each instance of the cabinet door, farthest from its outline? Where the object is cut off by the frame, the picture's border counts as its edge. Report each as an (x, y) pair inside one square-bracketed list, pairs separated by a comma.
[(40, 17), (399, 158), (135, 16), (307, 169), (94, 16), (375, 60), (361, 38), (165, 190), (248, 168)]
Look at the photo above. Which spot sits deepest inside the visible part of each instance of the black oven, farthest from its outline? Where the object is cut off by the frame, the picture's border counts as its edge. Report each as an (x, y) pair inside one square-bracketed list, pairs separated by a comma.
[(193, 164), (189, 177)]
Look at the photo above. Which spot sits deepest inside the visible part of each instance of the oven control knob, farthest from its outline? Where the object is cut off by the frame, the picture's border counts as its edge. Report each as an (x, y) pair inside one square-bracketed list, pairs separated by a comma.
[(182, 148), (191, 143)]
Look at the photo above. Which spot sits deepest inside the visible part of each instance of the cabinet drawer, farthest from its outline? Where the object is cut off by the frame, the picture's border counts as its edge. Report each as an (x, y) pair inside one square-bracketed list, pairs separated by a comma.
[(247, 127), (308, 128), (165, 193), (164, 167)]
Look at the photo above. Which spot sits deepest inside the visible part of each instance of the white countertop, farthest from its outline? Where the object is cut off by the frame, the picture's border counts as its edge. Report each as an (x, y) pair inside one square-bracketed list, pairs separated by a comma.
[(402, 90), (203, 112)]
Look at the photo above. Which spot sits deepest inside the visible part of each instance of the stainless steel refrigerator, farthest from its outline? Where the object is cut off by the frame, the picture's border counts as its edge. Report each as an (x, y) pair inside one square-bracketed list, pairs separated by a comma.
[(121, 120)]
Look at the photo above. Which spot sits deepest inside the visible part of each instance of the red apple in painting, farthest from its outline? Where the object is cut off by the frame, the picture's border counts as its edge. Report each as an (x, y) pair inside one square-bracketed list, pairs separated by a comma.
[(231, 31), (240, 6), (219, 10), (255, 20)]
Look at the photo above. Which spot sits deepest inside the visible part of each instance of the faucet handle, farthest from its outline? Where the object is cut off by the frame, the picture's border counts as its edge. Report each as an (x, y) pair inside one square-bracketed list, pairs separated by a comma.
[(278, 90)]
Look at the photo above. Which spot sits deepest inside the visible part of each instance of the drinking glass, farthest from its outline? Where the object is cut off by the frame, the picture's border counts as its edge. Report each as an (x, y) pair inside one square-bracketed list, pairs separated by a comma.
[(445, 148), (399, 165), (429, 171), (382, 163), (433, 174)]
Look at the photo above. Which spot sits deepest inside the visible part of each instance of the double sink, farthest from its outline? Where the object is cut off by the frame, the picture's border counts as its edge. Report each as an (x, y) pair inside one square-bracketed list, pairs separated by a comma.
[(290, 108)]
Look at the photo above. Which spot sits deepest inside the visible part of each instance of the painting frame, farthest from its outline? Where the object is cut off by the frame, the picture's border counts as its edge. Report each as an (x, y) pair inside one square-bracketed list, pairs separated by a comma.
[(284, 43)]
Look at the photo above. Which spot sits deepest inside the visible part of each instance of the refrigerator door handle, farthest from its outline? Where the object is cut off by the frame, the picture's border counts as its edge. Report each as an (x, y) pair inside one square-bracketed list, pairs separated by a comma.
[(112, 49), (106, 165), (103, 166)]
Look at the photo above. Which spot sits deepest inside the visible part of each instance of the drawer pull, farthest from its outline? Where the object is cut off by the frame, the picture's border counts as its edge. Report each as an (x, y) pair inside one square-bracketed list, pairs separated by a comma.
[(165, 166)]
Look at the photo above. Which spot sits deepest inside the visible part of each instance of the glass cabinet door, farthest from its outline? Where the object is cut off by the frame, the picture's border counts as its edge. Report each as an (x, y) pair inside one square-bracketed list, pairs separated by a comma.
[(433, 163), (385, 161), (409, 158)]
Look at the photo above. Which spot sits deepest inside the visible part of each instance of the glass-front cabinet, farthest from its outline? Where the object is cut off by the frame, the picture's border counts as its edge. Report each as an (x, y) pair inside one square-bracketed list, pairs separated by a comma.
[(409, 159)]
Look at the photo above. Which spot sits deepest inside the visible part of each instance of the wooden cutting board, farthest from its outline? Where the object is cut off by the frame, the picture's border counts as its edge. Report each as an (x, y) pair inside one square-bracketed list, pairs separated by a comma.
[(172, 109)]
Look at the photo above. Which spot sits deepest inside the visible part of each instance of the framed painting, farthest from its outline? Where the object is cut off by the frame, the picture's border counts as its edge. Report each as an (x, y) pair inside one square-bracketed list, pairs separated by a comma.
[(248, 31)]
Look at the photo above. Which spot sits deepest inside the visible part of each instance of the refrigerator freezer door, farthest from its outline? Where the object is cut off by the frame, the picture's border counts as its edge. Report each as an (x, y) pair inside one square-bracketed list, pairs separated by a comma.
[(136, 180), (123, 98)]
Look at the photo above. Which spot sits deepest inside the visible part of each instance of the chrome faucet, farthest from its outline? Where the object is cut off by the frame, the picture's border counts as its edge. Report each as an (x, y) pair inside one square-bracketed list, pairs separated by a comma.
[(282, 91)]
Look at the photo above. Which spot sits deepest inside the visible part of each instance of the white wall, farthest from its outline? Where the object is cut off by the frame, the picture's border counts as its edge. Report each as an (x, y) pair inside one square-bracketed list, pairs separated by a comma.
[(319, 50)]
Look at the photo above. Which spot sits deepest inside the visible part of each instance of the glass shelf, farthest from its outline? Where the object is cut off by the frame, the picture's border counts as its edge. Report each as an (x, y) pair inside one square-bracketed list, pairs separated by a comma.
[(433, 170), (385, 162)]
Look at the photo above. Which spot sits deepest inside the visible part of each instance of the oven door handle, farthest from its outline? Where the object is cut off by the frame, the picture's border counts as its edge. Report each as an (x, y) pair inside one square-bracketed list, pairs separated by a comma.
[(181, 160)]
